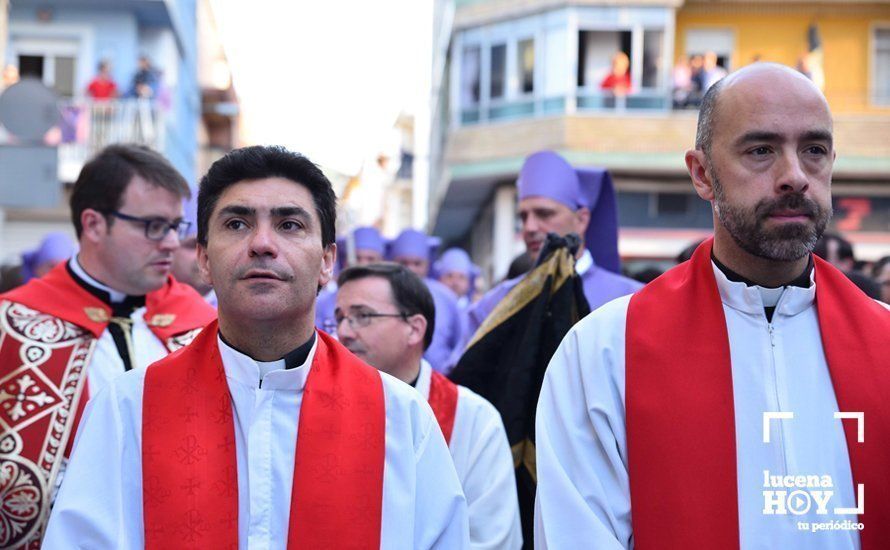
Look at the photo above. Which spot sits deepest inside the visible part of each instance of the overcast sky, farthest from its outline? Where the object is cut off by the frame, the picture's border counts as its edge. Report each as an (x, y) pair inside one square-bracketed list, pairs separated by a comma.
[(326, 77)]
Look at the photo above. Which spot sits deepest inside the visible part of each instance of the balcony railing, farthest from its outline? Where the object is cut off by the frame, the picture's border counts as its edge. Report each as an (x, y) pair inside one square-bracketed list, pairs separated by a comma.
[(86, 126)]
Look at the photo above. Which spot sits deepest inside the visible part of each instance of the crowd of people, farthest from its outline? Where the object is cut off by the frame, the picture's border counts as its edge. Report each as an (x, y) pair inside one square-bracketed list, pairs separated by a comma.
[(220, 370), (693, 75)]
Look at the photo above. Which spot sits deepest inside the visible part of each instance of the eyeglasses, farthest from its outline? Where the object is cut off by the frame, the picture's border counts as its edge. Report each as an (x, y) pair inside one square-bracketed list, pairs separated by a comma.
[(362, 319), (156, 228)]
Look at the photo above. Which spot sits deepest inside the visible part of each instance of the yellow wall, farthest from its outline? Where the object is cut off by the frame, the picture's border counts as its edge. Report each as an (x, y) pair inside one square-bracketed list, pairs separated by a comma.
[(778, 32)]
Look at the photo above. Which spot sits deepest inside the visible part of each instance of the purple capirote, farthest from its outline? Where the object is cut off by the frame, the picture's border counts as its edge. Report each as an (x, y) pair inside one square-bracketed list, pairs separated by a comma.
[(413, 243), (546, 174), (456, 260), (55, 247), (361, 238), (190, 213)]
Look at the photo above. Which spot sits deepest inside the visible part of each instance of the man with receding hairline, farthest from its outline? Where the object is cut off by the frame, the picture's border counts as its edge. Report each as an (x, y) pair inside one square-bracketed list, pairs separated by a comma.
[(724, 405)]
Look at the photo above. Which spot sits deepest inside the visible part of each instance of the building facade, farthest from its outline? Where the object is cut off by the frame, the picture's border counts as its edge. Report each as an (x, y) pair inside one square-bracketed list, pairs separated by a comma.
[(62, 43), (519, 76)]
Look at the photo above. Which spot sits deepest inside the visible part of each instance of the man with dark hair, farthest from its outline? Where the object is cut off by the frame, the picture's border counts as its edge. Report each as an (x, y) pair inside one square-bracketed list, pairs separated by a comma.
[(111, 308), (386, 315), (725, 404), (263, 430)]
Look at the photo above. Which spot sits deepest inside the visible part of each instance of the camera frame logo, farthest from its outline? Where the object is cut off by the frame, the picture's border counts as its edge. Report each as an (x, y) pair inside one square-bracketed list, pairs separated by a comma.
[(799, 494)]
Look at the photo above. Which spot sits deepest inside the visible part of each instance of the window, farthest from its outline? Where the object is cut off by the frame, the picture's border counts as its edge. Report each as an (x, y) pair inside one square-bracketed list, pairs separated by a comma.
[(498, 71), (31, 65), (57, 72), (717, 42), (526, 64), (652, 58), (881, 78), (595, 52), (667, 204), (50, 59), (470, 76)]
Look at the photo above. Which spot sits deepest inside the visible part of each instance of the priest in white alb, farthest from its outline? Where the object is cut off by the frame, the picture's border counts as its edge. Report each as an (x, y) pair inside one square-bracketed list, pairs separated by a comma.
[(386, 315), (264, 432), (738, 401)]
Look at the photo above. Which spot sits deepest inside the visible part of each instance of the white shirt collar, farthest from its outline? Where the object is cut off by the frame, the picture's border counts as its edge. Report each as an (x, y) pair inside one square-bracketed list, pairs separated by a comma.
[(584, 263), (789, 300), (423, 379), (116, 295), (272, 374)]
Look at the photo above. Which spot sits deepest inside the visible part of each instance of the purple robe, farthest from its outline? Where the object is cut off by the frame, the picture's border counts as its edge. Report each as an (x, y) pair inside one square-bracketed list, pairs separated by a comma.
[(325, 305), (448, 336)]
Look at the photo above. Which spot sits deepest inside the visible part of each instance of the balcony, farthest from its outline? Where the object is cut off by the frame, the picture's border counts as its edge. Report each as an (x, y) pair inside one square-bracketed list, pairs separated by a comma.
[(87, 126), (635, 140)]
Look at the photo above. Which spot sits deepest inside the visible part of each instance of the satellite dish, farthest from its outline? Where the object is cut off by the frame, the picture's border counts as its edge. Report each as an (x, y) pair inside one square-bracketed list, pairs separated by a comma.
[(28, 109)]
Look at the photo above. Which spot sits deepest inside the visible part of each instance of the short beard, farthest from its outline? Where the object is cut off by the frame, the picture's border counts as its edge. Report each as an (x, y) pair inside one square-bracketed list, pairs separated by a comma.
[(786, 243)]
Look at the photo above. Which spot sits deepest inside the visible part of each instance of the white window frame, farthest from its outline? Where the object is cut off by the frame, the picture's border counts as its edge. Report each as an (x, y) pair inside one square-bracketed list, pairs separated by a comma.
[(536, 27), (26, 38), (728, 30), (873, 61)]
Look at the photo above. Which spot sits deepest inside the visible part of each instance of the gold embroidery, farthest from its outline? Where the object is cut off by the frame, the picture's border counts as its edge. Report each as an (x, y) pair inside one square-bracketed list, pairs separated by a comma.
[(162, 320), (97, 314)]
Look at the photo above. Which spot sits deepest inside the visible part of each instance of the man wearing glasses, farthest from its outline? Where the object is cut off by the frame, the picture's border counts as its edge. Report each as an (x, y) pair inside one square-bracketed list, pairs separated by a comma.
[(386, 316), (112, 308)]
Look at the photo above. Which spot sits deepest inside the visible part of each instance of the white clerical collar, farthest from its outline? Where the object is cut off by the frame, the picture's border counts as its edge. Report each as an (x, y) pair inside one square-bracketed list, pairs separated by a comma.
[(116, 295), (584, 263), (269, 375), (788, 300), (423, 379)]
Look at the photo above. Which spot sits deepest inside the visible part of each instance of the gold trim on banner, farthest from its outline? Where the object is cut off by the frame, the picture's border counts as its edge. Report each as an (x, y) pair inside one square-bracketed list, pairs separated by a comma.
[(524, 453), (560, 266)]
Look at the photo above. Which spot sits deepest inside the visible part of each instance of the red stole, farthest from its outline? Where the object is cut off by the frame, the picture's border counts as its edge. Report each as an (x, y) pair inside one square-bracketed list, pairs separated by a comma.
[(443, 400), (679, 401), (48, 330), (189, 468)]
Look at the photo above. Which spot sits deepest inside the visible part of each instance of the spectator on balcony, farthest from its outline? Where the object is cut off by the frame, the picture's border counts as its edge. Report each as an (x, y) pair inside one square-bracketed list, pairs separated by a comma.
[(711, 71), (696, 75), (683, 85), (618, 80), (103, 87), (145, 81)]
